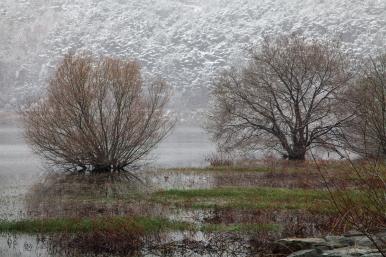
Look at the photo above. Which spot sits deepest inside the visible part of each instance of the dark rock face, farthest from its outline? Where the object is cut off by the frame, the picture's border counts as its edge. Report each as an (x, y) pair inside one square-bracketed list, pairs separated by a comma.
[(349, 245)]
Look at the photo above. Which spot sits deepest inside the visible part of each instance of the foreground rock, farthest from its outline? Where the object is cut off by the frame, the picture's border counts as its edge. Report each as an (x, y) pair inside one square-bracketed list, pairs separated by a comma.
[(350, 245)]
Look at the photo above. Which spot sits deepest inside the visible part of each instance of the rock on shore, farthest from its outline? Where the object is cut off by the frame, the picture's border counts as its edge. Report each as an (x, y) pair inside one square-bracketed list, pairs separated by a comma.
[(349, 245)]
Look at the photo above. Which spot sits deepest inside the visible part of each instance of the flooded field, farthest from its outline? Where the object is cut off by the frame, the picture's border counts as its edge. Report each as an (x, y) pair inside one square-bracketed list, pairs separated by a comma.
[(176, 244), (20, 168), (175, 206)]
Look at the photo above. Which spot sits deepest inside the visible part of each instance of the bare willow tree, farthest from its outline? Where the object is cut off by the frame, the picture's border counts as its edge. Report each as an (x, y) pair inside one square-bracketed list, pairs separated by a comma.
[(283, 99), (98, 114), (365, 133)]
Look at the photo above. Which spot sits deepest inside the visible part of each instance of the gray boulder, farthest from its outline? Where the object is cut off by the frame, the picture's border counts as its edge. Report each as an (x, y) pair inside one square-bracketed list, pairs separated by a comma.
[(348, 245), (297, 244), (305, 253), (352, 252)]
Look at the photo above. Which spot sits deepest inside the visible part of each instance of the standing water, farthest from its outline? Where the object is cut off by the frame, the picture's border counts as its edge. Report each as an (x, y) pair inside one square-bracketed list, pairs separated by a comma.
[(20, 168)]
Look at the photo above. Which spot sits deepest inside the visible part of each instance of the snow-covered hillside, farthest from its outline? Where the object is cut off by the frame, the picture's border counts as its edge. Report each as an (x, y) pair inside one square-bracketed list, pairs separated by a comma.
[(183, 41)]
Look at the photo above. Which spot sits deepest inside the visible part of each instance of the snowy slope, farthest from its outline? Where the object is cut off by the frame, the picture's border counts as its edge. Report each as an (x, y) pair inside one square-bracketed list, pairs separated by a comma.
[(184, 41)]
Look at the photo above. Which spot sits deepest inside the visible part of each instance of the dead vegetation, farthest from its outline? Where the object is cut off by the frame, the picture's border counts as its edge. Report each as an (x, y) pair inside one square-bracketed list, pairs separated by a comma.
[(365, 133), (219, 159), (365, 210)]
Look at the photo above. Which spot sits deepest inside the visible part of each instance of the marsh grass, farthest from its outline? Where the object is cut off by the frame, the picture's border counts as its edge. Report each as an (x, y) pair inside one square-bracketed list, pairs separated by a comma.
[(83, 225), (108, 214), (88, 196), (247, 198), (335, 167), (140, 225)]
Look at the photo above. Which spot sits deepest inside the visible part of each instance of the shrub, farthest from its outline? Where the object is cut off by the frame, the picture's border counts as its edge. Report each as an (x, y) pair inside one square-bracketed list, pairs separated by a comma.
[(219, 160), (98, 114)]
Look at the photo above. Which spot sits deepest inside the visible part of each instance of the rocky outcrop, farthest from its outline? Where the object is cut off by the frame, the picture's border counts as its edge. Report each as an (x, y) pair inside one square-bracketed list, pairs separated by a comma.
[(350, 245)]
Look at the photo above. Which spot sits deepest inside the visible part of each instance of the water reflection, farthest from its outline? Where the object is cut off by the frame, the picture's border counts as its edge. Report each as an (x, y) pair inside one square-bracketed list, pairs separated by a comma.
[(78, 195), (70, 195), (20, 169), (22, 246), (175, 244), (178, 180)]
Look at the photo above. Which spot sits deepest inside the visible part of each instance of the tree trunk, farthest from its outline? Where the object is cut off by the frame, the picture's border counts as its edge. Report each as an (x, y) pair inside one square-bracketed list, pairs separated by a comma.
[(99, 168), (297, 154), (297, 157)]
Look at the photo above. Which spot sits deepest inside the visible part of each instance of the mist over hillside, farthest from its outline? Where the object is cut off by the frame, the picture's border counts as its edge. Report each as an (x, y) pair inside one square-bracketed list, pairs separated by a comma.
[(183, 41)]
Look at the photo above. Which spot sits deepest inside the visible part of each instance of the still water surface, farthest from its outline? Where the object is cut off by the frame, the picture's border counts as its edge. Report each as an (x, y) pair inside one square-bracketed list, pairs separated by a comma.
[(20, 169)]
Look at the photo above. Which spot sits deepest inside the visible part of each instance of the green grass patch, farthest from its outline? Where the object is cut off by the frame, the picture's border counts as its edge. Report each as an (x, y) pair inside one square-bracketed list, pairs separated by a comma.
[(334, 167), (71, 225), (140, 225), (247, 198)]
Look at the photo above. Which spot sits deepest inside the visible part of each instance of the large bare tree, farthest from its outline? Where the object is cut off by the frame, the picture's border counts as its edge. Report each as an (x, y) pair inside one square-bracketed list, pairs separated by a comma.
[(365, 133), (98, 114), (283, 99)]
